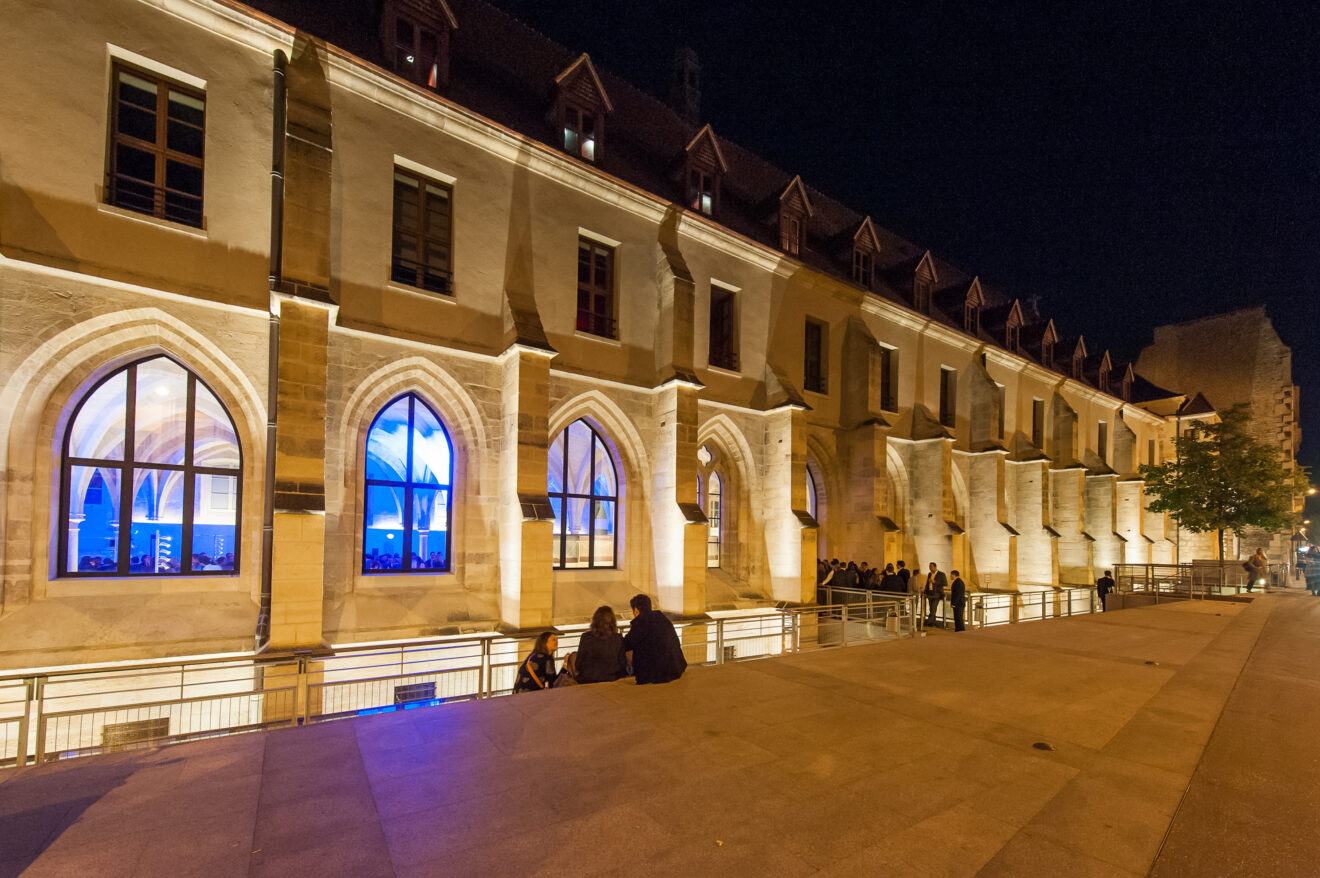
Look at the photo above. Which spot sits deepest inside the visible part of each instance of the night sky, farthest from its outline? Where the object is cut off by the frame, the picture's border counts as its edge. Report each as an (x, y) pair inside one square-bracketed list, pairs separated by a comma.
[(1130, 163)]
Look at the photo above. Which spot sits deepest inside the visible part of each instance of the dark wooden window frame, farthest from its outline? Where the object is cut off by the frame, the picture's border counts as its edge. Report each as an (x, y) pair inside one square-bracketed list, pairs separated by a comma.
[(971, 318), (888, 379), (416, 273), (948, 396), (815, 363), (414, 71), (128, 466), (723, 341), (573, 119), (591, 316), (791, 228), (592, 498), (1038, 423), (863, 266), (405, 556), (703, 182), (117, 182)]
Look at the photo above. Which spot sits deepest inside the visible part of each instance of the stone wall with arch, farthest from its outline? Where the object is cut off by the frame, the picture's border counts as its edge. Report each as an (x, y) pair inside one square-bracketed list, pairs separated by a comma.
[(365, 374), (621, 419), (48, 371), (741, 574)]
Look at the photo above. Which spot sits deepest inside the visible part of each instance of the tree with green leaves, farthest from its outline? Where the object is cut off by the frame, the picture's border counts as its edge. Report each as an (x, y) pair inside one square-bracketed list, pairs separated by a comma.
[(1222, 478)]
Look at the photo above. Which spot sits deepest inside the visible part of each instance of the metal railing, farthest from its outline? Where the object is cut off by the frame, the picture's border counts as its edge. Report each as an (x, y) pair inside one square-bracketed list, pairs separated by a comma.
[(984, 609), (70, 712), (1196, 580)]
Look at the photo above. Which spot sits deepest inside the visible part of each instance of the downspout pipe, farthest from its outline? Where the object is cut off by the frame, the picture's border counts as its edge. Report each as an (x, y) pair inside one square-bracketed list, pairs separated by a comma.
[(272, 369)]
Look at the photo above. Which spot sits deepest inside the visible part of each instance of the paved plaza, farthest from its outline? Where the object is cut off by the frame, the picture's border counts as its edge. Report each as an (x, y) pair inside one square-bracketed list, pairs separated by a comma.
[(1173, 740)]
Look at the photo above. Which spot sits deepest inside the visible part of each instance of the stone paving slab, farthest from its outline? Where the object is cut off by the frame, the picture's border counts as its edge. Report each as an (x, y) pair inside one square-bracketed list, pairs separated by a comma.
[(907, 758)]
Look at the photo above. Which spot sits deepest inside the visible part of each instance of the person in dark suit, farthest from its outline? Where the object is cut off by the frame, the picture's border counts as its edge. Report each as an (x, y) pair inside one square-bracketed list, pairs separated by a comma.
[(958, 600), (905, 576), (652, 644), (1103, 586), (891, 580), (936, 584)]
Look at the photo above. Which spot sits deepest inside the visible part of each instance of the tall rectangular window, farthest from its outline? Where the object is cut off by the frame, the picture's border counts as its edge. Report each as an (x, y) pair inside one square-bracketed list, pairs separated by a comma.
[(1038, 423), (723, 328), (423, 233), (1150, 452), (813, 363), (1003, 405), (888, 379), (948, 396), (595, 310), (1102, 441), (157, 142)]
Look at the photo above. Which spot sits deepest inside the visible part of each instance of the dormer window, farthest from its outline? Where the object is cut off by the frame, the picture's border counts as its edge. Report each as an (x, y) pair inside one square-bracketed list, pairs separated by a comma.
[(790, 234), (701, 191), (866, 244), (972, 308), (1079, 358), (923, 283), (1013, 328), (862, 270), (1125, 390), (705, 165), (1104, 373), (581, 107), (921, 295), (971, 318), (1047, 353), (580, 133), (416, 36), (794, 210)]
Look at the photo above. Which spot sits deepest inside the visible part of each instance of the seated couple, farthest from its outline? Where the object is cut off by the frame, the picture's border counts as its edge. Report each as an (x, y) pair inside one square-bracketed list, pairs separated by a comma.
[(651, 647)]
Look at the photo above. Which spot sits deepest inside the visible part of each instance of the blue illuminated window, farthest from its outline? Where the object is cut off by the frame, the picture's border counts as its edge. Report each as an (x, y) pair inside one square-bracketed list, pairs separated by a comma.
[(584, 492), (152, 453), (409, 476)]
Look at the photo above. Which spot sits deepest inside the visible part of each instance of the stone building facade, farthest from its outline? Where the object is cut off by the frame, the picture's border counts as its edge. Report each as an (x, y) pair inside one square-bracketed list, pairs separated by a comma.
[(1230, 359), (315, 226)]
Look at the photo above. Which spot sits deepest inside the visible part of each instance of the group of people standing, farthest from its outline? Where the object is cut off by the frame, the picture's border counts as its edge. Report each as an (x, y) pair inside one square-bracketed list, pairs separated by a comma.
[(650, 652), (897, 578)]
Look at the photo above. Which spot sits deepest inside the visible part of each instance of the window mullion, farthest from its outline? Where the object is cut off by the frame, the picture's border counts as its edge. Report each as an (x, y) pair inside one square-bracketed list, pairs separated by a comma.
[(189, 480), (591, 502), (126, 474)]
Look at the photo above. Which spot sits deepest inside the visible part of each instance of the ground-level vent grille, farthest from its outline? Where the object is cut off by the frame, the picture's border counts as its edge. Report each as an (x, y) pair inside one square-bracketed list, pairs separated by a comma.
[(121, 736), (414, 692)]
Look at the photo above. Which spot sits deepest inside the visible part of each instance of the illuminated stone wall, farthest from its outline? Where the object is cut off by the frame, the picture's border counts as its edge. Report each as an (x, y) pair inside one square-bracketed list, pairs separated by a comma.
[(86, 288)]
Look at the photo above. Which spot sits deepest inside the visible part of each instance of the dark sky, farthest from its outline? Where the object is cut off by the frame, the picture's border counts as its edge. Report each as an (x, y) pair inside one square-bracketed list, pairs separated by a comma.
[(1130, 163)]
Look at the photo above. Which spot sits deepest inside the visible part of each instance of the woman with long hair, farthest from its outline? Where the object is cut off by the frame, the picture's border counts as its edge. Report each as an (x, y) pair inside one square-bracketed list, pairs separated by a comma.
[(600, 657), (538, 670)]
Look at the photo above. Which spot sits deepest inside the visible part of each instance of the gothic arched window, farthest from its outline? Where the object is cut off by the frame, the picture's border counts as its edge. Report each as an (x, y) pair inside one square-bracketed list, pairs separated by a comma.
[(150, 454), (714, 519), (813, 500), (409, 480), (583, 486)]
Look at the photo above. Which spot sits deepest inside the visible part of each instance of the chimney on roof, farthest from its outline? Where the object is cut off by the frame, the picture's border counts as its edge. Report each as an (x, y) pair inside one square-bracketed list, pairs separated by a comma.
[(685, 85)]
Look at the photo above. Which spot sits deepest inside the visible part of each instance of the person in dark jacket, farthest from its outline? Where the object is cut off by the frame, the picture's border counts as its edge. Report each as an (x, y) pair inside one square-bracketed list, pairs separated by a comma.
[(1103, 586), (905, 576), (936, 583), (600, 653), (538, 670), (958, 600), (891, 581), (652, 644)]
